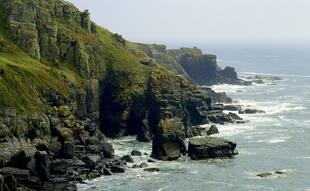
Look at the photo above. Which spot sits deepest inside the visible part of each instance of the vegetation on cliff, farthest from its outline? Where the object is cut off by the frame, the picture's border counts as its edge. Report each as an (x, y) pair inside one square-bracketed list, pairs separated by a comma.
[(66, 82)]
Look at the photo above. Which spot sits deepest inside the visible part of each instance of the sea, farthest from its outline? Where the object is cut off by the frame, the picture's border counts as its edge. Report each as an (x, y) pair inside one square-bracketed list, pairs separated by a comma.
[(278, 140)]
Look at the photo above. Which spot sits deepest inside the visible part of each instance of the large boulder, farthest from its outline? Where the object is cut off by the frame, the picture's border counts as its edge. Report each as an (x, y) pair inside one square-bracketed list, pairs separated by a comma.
[(210, 147), (168, 142)]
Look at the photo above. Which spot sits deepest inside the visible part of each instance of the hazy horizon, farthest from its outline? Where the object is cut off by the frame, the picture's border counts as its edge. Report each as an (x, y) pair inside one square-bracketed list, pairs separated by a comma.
[(203, 21)]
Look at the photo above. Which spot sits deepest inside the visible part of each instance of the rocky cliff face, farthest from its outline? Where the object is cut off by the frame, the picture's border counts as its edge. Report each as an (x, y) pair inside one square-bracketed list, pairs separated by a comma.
[(66, 83), (200, 68)]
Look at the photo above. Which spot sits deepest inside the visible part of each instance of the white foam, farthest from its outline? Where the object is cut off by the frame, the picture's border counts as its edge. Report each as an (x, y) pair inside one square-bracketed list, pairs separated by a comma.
[(270, 74)]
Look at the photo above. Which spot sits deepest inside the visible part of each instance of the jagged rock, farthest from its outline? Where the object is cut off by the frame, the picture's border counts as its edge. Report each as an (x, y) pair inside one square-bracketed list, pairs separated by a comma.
[(85, 21), (168, 142), (136, 153), (251, 111), (117, 169), (212, 130), (90, 162), (210, 147), (127, 158), (234, 116), (153, 169)]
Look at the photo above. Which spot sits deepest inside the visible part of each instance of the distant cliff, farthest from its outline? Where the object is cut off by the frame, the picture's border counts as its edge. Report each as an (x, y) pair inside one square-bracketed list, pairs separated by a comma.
[(193, 64)]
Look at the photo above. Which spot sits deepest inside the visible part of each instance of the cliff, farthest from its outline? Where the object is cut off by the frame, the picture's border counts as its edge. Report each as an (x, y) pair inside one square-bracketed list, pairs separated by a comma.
[(193, 64), (66, 83)]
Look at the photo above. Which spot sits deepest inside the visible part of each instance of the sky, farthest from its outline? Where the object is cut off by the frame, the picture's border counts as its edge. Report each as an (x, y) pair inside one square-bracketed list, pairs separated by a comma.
[(203, 21)]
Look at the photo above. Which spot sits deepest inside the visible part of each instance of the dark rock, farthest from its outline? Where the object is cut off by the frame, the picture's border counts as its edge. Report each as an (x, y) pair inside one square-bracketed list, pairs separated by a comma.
[(151, 160), (143, 165), (127, 158), (68, 149), (60, 166), (19, 160), (279, 172), (144, 133), (90, 163), (153, 169), (117, 169), (32, 167), (264, 175), (107, 172), (1, 183), (19, 174), (136, 153), (234, 116), (168, 142), (10, 183), (232, 107), (60, 183), (251, 111), (210, 147), (212, 130), (135, 166), (42, 164)]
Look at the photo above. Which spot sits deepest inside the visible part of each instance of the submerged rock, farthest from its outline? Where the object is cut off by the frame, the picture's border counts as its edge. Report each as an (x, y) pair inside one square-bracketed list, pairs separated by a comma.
[(210, 147), (143, 165), (232, 107), (136, 153), (117, 169), (152, 169), (265, 174), (251, 111), (127, 158)]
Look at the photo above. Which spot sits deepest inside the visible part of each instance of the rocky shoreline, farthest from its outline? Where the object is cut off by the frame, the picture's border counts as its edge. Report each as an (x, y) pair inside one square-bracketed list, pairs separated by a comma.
[(68, 84)]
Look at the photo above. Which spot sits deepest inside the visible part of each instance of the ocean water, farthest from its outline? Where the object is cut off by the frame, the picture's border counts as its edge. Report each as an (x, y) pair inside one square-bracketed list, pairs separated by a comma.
[(276, 140)]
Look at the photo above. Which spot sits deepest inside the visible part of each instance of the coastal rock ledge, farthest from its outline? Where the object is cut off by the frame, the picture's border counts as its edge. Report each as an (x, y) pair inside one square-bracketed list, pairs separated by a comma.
[(210, 147)]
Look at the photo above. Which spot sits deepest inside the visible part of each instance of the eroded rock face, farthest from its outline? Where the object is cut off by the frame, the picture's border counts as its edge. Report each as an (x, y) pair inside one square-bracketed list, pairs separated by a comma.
[(37, 28), (210, 147), (168, 142)]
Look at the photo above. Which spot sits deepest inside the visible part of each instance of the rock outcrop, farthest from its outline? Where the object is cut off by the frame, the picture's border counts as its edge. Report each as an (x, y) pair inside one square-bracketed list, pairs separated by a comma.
[(66, 83), (210, 147)]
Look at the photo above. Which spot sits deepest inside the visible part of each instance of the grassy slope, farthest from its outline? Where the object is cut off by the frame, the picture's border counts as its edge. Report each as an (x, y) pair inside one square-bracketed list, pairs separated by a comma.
[(25, 78)]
